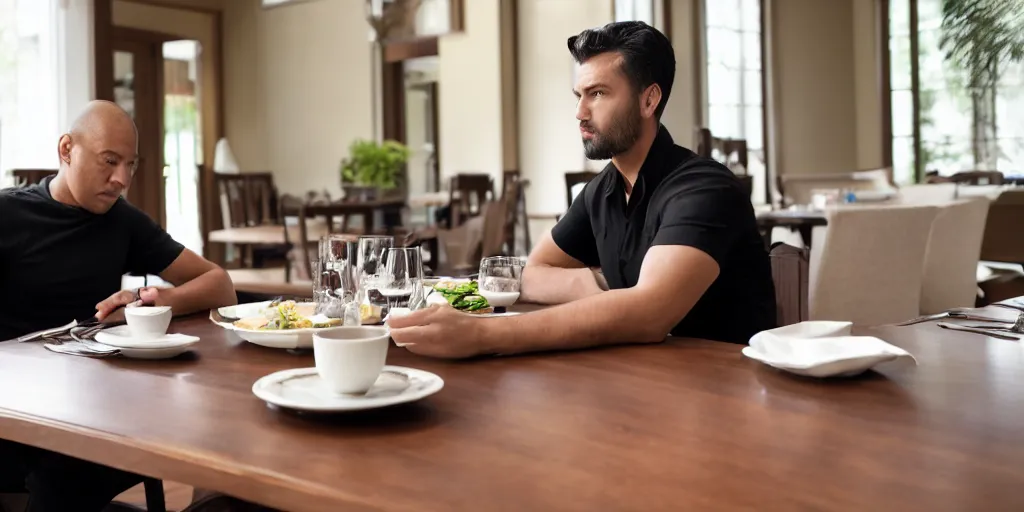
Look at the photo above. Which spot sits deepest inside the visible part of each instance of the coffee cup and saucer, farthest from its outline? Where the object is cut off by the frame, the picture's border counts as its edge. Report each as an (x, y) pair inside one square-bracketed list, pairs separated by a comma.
[(144, 336), (351, 374)]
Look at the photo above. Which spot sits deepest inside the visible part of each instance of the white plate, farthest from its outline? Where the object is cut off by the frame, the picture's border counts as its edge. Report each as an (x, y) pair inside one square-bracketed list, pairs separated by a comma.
[(836, 364), (301, 389), (287, 338), (167, 346)]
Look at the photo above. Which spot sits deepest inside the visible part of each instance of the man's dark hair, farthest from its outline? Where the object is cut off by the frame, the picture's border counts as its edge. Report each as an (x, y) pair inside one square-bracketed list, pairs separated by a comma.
[(647, 55)]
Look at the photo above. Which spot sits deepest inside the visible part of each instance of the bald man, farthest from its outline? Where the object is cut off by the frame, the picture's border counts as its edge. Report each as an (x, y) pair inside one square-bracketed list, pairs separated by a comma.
[(64, 246)]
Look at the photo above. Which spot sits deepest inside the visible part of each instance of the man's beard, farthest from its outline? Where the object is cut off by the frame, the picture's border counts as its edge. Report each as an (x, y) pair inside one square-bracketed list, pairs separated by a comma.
[(622, 133)]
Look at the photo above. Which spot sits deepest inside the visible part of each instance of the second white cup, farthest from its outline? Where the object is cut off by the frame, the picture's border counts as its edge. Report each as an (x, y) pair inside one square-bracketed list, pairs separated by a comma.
[(148, 321), (349, 359)]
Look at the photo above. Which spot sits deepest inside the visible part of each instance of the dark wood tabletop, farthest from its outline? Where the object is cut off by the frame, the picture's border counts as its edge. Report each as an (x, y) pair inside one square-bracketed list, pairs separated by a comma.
[(683, 425)]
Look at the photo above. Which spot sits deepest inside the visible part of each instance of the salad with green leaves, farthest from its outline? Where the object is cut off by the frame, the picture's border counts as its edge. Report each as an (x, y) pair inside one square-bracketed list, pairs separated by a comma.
[(463, 296)]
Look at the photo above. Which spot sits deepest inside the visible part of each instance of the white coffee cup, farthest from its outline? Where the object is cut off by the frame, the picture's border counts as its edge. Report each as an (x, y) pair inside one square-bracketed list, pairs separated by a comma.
[(148, 321), (349, 359)]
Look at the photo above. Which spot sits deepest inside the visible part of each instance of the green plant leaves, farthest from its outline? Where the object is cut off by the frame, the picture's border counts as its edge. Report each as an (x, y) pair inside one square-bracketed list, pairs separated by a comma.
[(374, 164)]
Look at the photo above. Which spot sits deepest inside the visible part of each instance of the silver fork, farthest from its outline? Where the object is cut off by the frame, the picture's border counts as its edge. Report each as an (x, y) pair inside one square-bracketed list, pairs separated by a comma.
[(955, 313), (1017, 327), (984, 332)]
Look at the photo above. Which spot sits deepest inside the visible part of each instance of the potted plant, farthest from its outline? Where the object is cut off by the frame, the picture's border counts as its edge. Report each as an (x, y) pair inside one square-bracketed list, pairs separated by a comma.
[(373, 167)]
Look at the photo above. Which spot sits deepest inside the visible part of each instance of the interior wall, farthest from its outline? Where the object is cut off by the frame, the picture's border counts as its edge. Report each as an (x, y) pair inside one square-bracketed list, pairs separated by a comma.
[(298, 79), (200, 26), (549, 137), (681, 117), (868, 77), (814, 85), (470, 95)]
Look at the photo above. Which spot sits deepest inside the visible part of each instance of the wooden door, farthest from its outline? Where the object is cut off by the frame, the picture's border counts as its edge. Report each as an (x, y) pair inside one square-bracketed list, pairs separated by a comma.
[(138, 88)]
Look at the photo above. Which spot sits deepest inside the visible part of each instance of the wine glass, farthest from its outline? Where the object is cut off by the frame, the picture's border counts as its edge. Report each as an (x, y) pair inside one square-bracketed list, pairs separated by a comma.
[(401, 275), (499, 280)]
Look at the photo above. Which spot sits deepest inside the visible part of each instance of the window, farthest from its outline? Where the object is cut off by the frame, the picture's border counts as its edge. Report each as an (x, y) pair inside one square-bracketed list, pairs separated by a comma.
[(735, 103), (949, 130), (651, 12), (28, 86)]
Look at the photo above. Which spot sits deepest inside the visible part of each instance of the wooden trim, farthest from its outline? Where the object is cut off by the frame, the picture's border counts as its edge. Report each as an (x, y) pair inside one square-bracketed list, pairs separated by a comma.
[(456, 16), (397, 51), (393, 101), (915, 86), (700, 99), (119, 33), (177, 5), (666, 13), (218, 28), (103, 52), (764, 104), (885, 80)]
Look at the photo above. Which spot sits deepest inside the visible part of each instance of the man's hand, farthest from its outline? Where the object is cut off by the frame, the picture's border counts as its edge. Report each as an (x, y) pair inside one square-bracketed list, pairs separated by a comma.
[(440, 331), (107, 311)]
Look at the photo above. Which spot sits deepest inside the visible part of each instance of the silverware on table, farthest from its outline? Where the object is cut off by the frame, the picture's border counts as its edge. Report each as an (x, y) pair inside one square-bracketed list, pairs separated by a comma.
[(1017, 327), (957, 314), (989, 333), (75, 348)]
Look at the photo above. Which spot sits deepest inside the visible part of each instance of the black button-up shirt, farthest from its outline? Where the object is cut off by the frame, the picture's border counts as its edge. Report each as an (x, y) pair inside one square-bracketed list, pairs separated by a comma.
[(678, 199)]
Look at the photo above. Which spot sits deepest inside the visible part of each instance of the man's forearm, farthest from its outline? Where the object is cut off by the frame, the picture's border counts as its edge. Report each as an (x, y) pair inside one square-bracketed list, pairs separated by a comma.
[(212, 289), (618, 316), (553, 285)]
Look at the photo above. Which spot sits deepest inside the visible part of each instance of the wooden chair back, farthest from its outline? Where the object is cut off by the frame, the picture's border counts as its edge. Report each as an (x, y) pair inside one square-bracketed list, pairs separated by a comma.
[(469, 192), (790, 272), (970, 178), (709, 146), (27, 177), (576, 178), (247, 199), (1002, 241)]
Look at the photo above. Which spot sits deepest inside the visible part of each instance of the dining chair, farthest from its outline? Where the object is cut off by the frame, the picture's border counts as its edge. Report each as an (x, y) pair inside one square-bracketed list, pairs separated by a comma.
[(951, 258), (723, 150), (867, 263), (468, 192), (574, 182), (790, 271), (1002, 241)]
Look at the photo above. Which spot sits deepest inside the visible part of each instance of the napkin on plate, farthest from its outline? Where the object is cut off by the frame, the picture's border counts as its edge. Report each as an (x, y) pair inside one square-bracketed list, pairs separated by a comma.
[(821, 349)]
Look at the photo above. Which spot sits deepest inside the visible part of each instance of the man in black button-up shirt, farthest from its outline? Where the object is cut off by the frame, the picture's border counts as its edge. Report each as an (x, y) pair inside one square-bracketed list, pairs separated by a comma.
[(673, 234)]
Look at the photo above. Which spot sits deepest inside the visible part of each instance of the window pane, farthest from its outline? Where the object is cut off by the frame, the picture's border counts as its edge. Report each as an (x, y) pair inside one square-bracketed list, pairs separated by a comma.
[(722, 13), (929, 14), (1009, 109), (750, 10), (1011, 155), (902, 113), (899, 17), (936, 73), (752, 50), (946, 154), (724, 47), (724, 121), (752, 88), (899, 63), (945, 114), (903, 159), (753, 129), (723, 86)]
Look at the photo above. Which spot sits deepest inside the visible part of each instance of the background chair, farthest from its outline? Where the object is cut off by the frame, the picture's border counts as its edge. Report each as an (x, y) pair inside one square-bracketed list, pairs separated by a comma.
[(867, 264), (951, 259), (790, 271)]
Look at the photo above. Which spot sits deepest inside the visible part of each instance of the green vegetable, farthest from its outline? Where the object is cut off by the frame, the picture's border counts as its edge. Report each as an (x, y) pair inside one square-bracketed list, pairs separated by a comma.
[(463, 297)]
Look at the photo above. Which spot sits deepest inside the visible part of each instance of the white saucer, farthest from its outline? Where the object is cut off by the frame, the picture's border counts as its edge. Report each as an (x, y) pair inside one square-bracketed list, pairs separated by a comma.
[(166, 346), (301, 389)]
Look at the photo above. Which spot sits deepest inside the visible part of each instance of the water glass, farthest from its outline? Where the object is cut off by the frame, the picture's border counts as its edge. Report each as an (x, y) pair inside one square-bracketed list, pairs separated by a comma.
[(370, 253), (401, 276), (500, 279), (335, 282)]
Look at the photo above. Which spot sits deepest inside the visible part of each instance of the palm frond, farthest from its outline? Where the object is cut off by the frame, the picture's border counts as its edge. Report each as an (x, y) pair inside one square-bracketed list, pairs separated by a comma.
[(981, 36)]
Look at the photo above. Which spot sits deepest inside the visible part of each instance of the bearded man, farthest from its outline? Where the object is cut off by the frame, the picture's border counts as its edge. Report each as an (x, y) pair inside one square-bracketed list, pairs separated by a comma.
[(673, 234)]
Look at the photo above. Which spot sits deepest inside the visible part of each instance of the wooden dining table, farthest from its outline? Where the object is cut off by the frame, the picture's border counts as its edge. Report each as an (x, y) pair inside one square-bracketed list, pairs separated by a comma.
[(681, 425)]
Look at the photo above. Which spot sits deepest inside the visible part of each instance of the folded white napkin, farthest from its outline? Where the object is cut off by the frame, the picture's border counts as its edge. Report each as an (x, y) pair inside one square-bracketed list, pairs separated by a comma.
[(821, 349)]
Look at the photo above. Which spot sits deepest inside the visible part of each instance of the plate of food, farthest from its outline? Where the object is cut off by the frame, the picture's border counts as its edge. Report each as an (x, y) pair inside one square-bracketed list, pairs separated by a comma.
[(463, 295), (281, 324)]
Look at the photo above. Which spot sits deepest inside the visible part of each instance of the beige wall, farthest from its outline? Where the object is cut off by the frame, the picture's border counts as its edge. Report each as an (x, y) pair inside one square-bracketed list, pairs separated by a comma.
[(549, 138), (867, 78), (471, 95), (815, 93), (681, 115), (298, 89), (199, 26)]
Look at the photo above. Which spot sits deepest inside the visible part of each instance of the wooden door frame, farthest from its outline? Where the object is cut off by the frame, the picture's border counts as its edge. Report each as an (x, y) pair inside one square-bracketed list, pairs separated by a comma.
[(141, 43)]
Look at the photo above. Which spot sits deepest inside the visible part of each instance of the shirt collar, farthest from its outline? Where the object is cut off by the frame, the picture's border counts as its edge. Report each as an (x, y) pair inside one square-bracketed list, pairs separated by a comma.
[(653, 168)]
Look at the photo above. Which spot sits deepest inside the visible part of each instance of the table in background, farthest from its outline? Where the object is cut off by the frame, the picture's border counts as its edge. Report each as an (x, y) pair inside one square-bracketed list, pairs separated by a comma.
[(803, 221), (682, 425)]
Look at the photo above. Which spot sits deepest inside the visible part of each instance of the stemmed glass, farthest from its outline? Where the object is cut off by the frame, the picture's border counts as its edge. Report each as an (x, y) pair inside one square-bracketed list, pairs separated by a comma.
[(401, 275), (334, 277)]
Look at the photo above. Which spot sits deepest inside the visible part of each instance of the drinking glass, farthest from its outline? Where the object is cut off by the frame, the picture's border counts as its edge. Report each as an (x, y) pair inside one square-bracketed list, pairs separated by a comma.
[(401, 275), (500, 279), (370, 252), (334, 279)]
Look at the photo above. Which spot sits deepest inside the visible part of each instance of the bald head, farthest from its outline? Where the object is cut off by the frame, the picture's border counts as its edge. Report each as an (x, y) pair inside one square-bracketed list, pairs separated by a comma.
[(98, 157)]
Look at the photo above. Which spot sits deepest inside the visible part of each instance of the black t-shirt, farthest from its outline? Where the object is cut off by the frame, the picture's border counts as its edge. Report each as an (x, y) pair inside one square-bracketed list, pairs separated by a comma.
[(679, 198), (57, 261)]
